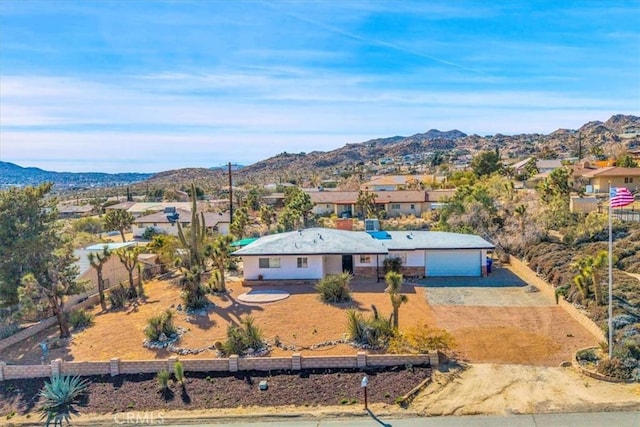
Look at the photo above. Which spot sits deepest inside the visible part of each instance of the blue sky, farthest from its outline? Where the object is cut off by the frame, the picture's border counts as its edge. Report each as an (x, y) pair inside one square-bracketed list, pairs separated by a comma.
[(156, 85)]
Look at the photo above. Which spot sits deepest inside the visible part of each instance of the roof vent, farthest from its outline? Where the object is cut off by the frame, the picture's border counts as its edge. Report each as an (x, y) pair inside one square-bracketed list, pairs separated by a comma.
[(372, 224), (170, 210)]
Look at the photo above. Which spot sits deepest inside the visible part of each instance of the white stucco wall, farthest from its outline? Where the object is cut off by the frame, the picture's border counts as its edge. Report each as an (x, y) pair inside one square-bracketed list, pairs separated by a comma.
[(323, 209), (288, 268), (357, 263), (404, 209), (332, 264), (410, 258)]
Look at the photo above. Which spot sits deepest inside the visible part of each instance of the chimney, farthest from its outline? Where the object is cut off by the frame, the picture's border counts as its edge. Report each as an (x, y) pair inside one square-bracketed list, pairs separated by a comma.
[(344, 224)]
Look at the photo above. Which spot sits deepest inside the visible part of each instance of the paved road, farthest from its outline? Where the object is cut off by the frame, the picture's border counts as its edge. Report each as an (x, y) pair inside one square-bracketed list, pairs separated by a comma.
[(595, 419)]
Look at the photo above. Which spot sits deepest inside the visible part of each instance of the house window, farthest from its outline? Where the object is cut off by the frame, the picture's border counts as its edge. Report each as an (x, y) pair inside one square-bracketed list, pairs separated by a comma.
[(395, 206), (413, 206), (365, 259), (628, 180), (155, 224), (272, 262), (303, 262), (402, 256)]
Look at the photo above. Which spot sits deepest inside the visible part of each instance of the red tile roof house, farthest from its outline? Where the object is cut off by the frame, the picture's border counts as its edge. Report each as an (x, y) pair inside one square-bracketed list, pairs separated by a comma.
[(394, 203)]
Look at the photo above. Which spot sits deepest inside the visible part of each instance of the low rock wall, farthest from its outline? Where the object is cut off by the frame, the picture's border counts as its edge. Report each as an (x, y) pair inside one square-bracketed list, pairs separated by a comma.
[(234, 363)]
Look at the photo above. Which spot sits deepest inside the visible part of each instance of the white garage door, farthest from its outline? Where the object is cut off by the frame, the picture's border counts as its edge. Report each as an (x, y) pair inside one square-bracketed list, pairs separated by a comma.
[(452, 263)]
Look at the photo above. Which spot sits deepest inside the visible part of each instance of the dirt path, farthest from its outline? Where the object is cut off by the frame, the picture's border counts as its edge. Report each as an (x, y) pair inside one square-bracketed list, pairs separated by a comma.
[(521, 389)]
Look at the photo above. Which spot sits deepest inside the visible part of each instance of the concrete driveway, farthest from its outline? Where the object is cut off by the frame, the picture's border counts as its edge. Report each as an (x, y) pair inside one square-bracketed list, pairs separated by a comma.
[(502, 288)]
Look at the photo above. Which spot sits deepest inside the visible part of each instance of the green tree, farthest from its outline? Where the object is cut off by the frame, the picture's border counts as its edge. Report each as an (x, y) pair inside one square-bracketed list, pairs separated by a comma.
[(253, 199), (626, 161), (165, 247), (486, 163), (28, 228), (118, 220), (394, 284), (298, 202), (266, 216), (51, 282), (129, 258), (240, 222), (97, 261), (366, 202)]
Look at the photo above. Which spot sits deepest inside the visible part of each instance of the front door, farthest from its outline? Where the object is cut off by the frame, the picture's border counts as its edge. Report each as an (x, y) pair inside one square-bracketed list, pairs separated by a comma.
[(347, 263)]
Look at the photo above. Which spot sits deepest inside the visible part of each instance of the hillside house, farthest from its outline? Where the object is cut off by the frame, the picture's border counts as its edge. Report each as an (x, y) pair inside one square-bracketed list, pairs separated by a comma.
[(313, 253), (394, 182), (601, 179)]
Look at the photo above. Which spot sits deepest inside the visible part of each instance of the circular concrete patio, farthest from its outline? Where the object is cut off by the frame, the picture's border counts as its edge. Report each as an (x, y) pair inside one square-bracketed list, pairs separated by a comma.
[(263, 295)]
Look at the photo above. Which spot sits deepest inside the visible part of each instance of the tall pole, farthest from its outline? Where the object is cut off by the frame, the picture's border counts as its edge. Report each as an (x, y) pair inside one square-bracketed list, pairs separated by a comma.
[(610, 279), (230, 195)]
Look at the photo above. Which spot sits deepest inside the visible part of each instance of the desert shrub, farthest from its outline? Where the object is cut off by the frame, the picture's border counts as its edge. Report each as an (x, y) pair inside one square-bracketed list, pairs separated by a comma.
[(80, 319), (615, 368), (88, 225), (373, 331), (163, 379), (587, 355), (392, 264), (335, 288), (8, 328), (161, 324), (118, 296), (178, 370), (58, 396), (421, 339), (242, 337), (149, 233)]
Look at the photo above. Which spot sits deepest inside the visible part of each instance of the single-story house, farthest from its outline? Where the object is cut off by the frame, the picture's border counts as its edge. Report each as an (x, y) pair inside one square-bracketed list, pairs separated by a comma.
[(165, 223), (138, 209), (314, 253), (74, 211), (601, 179), (394, 182), (394, 203)]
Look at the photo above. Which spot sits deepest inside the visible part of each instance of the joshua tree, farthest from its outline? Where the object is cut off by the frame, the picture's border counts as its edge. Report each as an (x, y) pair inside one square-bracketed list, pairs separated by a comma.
[(118, 220), (129, 258), (394, 283), (219, 252), (97, 261)]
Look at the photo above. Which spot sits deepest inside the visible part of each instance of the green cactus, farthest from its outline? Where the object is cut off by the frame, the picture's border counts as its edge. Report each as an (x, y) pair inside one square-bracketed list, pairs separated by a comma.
[(195, 244)]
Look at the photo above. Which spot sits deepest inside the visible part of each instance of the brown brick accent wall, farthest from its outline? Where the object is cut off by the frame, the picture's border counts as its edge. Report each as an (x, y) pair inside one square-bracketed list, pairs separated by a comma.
[(413, 271), (367, 272)]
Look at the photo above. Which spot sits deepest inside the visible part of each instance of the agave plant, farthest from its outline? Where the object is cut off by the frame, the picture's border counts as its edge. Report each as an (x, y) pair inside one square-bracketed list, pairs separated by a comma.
[(58, 397)]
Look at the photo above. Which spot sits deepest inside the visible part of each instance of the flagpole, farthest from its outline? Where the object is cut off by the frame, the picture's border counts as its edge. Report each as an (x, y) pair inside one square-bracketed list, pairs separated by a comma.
[(610, 280)]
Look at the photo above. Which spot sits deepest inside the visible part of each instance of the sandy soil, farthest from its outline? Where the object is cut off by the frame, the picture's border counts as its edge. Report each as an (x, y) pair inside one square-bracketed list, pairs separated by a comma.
[(520, 389)]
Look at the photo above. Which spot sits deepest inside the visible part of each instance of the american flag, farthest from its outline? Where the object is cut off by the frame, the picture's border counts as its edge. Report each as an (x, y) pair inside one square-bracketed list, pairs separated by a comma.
[(619, 197)]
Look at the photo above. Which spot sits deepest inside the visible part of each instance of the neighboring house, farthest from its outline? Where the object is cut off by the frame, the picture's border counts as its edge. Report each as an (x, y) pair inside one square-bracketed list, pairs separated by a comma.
[(601, 179), (393, 182), (543, 166), (314, 253), (394, 203), (139, 208), (165, 223), (74, 211), (113, 272)]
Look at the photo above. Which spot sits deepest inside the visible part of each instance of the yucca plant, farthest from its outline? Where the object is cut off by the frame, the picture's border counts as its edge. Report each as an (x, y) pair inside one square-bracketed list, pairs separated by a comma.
[(178, 371), (58, 397), (163, 378), (252, 334)]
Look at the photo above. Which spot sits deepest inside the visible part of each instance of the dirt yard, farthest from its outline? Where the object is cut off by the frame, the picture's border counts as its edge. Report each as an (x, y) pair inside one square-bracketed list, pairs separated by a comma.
[(542, 334)]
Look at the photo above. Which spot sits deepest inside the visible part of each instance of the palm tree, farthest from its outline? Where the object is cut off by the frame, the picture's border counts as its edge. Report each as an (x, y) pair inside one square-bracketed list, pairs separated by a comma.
[(394, 283), (97, 261)]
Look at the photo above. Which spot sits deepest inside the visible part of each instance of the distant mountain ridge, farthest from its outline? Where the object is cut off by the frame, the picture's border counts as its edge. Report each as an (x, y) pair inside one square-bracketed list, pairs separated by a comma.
[(287, 166), (12, 174)]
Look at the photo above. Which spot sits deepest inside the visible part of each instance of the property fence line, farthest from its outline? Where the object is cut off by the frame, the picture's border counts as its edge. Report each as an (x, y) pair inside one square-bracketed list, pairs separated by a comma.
[(529, 276), (296, 362)]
